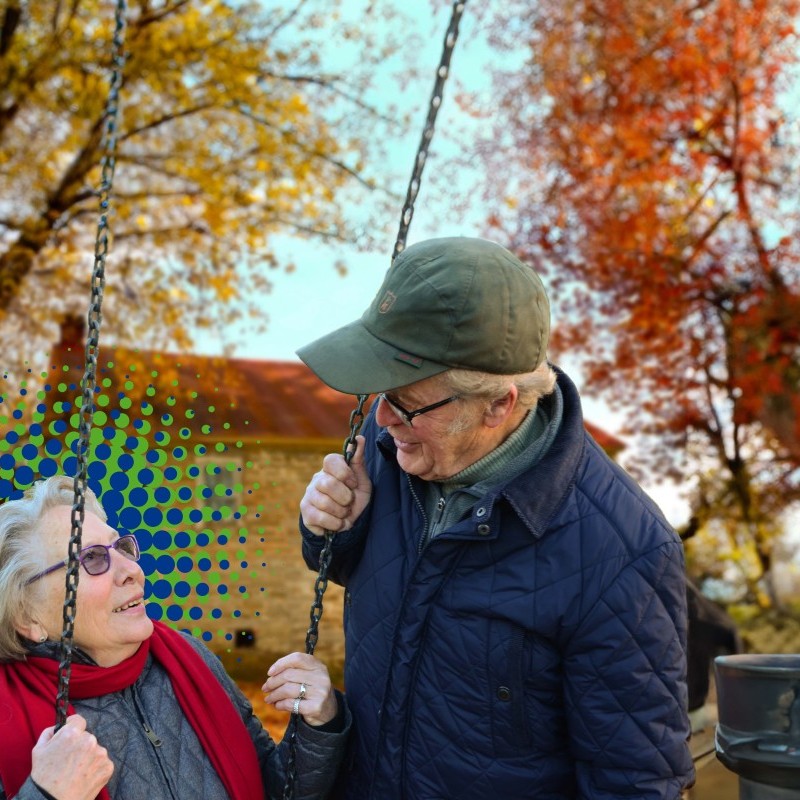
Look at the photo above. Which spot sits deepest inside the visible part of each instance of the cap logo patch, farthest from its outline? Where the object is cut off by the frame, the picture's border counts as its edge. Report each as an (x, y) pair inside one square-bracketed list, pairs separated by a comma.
[(407, 358), (387, 302)]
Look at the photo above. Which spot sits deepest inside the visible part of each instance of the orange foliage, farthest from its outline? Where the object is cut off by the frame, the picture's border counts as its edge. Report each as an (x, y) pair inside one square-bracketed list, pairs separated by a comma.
[(653, 174), (654, 182)]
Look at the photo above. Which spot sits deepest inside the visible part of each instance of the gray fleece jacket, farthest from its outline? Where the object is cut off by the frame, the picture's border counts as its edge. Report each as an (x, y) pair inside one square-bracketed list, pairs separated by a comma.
[(157, 755)]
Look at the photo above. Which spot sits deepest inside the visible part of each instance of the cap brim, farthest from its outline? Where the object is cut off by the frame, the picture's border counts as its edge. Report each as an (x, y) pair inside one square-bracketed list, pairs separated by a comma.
[(353, 361)]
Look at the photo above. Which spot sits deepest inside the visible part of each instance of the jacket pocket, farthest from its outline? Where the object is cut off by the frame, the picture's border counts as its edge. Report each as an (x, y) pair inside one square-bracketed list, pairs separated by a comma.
[(510, 725)]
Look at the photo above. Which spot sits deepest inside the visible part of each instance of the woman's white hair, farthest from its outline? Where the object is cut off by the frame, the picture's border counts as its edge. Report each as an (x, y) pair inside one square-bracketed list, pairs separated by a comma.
[(21, 553), (467, 383)]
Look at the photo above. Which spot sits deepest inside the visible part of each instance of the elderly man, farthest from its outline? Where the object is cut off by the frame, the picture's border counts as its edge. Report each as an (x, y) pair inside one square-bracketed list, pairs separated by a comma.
[(515, 607)]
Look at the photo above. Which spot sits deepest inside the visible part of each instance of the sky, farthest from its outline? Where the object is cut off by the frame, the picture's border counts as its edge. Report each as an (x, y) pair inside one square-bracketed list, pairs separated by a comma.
[(315, 299)]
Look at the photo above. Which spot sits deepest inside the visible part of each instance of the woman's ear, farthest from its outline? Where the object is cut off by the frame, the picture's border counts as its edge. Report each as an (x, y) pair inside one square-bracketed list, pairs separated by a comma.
[(31, 630)]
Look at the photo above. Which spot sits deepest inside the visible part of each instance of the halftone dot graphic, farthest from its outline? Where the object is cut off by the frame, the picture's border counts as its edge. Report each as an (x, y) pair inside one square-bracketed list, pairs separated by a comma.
[(182, 539), (182, 589), (185, 564), (165, 564), (158, 472), (162, 495), (139, 497), (153, 516)]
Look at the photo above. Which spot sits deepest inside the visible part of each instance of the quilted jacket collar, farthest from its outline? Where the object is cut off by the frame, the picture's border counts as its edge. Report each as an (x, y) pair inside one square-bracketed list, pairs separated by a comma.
[(556, 471)]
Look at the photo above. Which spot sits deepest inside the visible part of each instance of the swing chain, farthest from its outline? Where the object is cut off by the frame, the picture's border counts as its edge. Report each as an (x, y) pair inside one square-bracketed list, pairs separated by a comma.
[(108, 148), (320, 585), (427, 133)]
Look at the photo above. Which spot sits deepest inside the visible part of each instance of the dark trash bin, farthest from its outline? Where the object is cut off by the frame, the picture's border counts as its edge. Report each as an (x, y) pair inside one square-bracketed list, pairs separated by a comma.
[(758, 733)]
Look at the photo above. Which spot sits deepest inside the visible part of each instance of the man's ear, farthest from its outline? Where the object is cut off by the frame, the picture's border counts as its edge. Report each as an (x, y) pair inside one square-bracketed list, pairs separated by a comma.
[(499, 411)]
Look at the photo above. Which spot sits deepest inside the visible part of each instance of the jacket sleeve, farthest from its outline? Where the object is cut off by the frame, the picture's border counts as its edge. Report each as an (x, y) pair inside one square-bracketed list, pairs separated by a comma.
[(625, 684), (347, 548), (318, 754), (318, 758), (28, 791)]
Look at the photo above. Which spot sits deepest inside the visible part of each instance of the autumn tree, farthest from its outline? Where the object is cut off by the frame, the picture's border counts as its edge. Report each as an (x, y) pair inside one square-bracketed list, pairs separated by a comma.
[(646, 160), (232, 128)]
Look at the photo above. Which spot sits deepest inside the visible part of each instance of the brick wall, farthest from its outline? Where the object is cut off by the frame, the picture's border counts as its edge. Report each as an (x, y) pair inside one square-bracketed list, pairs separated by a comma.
[(280, 587)]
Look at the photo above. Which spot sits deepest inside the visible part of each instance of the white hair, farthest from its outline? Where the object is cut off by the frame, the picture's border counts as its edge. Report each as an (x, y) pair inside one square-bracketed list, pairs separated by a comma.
[(471, 384), (21, 553)]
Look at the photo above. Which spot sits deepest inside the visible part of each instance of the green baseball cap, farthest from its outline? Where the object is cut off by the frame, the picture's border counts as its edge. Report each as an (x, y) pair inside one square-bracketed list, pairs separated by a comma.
[(451, 302)]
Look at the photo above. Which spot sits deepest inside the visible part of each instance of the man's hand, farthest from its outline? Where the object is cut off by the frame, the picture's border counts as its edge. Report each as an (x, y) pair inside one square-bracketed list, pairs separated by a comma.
[(337, 494)]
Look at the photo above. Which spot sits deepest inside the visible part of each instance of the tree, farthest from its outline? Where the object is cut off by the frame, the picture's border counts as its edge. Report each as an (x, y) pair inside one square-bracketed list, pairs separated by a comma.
[(231, 130), (651, 171)]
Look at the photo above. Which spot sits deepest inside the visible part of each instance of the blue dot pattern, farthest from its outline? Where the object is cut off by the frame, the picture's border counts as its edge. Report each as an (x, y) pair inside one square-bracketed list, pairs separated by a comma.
[(182, 513)]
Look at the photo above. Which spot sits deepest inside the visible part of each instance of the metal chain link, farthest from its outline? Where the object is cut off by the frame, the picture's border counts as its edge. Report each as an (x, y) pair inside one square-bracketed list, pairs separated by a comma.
[(427, 132), (108, 148), (320, 585)]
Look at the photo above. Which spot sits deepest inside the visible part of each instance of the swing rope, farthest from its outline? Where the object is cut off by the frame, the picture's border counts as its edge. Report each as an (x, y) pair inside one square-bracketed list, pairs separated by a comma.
[(88, 383), (357, 415)]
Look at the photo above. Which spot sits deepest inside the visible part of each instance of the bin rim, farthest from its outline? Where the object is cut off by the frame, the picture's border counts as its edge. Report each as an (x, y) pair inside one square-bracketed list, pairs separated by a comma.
[(784, 664)]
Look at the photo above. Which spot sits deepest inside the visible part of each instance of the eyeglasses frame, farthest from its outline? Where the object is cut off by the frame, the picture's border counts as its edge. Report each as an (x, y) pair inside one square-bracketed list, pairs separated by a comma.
[(408, 416), (113, 546)]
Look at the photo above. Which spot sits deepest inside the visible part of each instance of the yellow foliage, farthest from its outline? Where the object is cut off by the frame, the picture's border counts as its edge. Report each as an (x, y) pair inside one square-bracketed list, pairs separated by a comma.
[(224, 285), (218, 148)]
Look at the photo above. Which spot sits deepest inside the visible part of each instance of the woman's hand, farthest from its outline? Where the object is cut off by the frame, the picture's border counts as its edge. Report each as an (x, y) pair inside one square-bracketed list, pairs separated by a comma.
[(337, 494), (287, 675), (70, 764)]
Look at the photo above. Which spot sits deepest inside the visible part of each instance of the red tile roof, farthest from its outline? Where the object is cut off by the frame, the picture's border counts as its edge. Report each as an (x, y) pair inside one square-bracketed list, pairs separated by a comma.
[(241, 399)]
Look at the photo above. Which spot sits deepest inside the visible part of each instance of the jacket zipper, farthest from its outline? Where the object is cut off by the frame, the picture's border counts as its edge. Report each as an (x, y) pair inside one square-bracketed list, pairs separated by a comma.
[(424, 537), (151, 735), (153, 738)]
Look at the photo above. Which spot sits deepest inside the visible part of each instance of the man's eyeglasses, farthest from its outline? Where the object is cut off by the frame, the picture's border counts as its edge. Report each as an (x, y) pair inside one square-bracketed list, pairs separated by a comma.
[(408, 416), (96, 558)]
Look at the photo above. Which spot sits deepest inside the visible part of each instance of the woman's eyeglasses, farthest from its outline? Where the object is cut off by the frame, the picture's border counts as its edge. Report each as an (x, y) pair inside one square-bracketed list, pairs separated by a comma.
[(96, 558), (407, 416)]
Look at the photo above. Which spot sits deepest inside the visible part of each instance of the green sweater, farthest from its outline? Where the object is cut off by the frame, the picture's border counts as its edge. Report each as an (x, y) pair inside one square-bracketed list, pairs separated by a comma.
[(448, 501)]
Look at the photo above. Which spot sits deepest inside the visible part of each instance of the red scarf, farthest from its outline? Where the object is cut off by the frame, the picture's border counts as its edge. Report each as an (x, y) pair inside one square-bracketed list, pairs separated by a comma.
[(27, 706)]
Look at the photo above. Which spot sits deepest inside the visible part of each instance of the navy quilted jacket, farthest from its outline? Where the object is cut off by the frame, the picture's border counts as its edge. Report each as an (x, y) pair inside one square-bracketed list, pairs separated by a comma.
[(535, 649)]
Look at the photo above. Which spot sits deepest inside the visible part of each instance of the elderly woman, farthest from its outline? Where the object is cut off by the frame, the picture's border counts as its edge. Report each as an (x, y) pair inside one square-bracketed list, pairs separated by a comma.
[(152, 713)]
